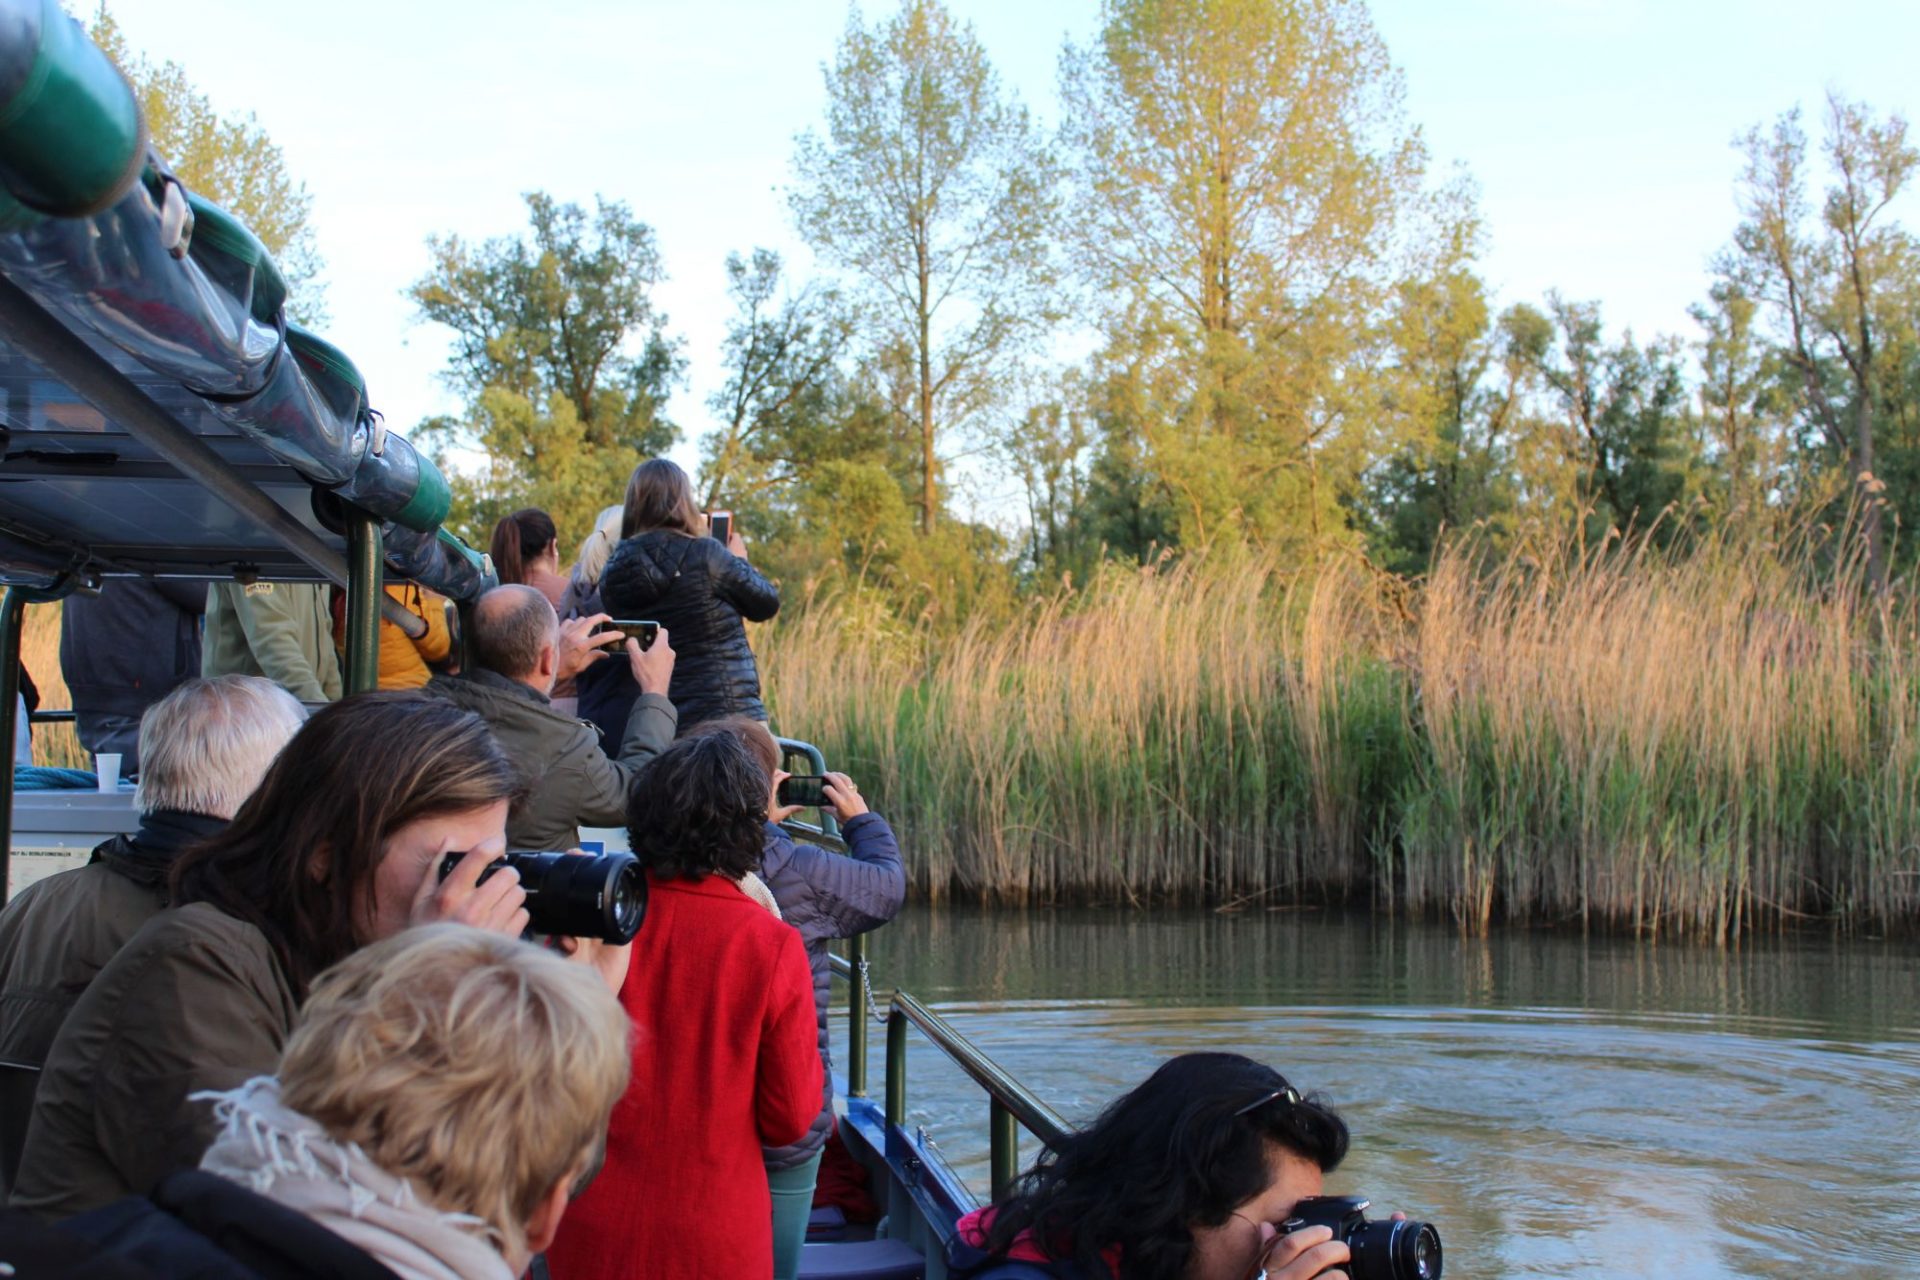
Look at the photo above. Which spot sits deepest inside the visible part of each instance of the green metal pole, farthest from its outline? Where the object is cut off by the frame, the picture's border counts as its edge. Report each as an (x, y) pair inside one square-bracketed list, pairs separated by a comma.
[(363, 602), (1003, 1144), (13, 613), (857, 1017), (896, 1067)]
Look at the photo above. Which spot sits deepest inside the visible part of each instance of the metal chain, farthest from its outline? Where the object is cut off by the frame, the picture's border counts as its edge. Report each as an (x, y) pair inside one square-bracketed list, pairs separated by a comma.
[(866, 985)]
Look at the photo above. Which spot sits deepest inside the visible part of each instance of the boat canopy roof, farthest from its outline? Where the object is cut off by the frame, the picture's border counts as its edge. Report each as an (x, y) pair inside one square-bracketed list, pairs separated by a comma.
[(159, 412)]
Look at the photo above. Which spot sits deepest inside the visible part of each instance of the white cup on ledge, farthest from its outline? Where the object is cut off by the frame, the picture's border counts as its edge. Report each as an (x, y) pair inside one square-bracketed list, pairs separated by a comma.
[(107, 765)]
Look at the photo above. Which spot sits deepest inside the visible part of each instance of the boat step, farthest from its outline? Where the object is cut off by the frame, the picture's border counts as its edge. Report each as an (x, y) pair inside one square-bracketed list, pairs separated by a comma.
[(865, 1260)]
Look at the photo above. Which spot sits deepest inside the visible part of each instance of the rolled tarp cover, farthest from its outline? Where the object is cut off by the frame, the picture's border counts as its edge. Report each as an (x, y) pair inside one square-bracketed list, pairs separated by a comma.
[(71, 138), (118, 248)]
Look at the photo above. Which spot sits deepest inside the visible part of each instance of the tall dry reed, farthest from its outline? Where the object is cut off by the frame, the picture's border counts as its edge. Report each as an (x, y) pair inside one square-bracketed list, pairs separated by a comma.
[(1699, 744)]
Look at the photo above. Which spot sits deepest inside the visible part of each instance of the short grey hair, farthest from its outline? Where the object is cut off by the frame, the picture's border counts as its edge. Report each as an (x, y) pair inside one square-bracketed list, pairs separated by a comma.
[(511, 625), (205, 746)]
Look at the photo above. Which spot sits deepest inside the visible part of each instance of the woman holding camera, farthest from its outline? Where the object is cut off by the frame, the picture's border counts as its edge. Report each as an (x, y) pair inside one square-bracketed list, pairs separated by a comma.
[(336, 849), (724, 1056), (667, 569), (1184, 1178)]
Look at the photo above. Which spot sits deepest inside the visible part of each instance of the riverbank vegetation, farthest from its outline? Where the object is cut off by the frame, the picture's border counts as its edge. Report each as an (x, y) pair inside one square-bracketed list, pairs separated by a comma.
[(1696, 743)]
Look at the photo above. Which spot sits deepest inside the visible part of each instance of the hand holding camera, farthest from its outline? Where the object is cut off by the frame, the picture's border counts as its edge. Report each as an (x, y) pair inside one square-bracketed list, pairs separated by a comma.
[(467, 892), (794, 792), (1322, 1226), (583, 642), (651, 658)]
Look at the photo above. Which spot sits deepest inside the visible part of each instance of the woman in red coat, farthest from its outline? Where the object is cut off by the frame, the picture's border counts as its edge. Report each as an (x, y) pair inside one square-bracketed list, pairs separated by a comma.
[(724, 1059)]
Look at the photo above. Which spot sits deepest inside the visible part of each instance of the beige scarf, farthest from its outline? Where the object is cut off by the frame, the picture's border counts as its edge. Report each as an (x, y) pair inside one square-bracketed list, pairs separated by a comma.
[(756, 888)]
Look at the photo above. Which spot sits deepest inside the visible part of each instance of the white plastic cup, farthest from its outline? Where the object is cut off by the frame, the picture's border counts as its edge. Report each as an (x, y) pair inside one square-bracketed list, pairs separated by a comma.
[(107, 765)]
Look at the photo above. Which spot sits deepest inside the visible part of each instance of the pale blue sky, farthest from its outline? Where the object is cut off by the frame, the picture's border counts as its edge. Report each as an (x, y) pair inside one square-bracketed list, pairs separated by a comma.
[(1598, 130)]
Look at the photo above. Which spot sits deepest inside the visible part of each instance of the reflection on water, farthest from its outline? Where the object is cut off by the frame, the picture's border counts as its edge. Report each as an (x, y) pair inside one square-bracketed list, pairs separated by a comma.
[(1557, 1106)]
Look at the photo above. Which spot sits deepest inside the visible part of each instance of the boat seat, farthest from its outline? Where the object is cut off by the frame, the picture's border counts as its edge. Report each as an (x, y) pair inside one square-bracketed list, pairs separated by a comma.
[(866, 1260), (827, 1224)]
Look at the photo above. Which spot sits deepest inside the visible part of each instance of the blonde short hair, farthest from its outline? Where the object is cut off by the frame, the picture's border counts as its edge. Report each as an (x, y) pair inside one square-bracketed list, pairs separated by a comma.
[(205, 746), (481, 1068)]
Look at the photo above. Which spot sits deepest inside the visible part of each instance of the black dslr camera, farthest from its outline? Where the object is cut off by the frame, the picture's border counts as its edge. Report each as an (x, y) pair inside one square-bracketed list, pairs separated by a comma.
[(572, 895), (1381, 1250)]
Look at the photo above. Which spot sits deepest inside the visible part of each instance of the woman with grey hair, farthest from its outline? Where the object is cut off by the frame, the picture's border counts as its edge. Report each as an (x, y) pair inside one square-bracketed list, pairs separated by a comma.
[(204, 748)]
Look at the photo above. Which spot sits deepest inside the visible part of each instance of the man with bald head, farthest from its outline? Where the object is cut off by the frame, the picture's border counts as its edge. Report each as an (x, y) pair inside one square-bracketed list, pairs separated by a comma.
[(570, 781)]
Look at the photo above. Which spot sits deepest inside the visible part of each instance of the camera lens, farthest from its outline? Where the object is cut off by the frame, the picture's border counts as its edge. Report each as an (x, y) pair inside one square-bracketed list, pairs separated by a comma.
[(599, 895), (1394, 1251)]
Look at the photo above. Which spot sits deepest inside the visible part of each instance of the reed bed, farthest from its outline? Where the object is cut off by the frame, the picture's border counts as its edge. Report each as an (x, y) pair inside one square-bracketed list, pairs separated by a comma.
[(1700, 744), (53, 744)]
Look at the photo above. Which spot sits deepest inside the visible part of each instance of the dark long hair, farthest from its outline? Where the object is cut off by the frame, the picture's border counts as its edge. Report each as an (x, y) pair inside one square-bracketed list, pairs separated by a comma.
[(659, 496), (298, 859), (699, 808), (519, 540), (1174, 1154)]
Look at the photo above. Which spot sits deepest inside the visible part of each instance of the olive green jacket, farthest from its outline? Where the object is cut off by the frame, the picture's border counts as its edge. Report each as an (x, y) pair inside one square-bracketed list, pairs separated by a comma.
[(195, 1001), (569, 781), (280, 630)]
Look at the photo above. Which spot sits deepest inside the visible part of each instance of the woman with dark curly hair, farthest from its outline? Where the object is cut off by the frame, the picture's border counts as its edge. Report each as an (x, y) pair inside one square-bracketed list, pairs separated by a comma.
[(1184, 1178), (724, 1058)]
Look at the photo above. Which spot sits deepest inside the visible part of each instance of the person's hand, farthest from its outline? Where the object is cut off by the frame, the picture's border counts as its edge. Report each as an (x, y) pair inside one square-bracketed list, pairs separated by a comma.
[(1304, 1254), (498, 904), (652, 667), (609, 961), (844, 797), (736, 543), (777, 812), (580, 648)]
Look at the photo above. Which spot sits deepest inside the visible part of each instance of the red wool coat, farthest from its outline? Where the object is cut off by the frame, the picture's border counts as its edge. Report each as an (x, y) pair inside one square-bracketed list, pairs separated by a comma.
[(724, 1063)]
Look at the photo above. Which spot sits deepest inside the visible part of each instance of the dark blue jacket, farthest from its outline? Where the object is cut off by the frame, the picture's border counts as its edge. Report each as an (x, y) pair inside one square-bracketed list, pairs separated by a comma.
[(699, 591), (826, 896), (199, 1226), (132, 645)]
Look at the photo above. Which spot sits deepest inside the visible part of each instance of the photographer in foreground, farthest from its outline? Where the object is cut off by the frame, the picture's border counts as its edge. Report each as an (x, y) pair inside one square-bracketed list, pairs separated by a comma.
[(338, 848), (442, 1095), (1194, 1175)]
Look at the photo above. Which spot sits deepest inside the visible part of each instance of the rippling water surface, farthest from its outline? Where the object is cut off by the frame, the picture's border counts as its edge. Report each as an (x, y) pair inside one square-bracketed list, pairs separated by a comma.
[(1555, 1105)]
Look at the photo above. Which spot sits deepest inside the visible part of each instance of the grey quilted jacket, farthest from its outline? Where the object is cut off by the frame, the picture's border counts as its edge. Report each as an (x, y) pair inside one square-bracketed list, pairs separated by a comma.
[(826, 896)]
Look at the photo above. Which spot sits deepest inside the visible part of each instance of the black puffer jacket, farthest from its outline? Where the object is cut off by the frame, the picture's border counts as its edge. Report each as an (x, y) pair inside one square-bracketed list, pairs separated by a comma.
[(699, 591)]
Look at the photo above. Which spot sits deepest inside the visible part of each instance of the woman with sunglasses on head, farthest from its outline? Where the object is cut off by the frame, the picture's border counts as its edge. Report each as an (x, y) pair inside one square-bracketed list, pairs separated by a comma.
[(1184, 1178)]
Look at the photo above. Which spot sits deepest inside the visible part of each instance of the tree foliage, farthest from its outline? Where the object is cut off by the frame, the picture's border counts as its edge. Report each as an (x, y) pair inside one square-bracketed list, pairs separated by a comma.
[(561, 356), (931, 188)]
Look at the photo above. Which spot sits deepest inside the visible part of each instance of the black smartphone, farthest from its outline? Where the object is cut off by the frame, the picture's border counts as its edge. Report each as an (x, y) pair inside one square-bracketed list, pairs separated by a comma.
[(720, 523), (805, 789), (633, 628)]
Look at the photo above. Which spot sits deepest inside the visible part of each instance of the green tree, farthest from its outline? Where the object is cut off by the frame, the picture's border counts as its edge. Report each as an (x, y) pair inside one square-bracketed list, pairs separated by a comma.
[(931, 187), (782, 357), (229, 159), (1624, 425), (1742, 405), (1242, 171), (562, 358), (1833, 279)]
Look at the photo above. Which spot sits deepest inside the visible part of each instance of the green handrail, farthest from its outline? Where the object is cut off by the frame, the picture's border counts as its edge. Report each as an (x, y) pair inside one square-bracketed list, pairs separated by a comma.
[(1010, 1104)]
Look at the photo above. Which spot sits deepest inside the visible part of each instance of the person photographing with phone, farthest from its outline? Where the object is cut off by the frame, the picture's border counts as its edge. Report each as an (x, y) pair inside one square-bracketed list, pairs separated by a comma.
[(518, 646), (691, 574)]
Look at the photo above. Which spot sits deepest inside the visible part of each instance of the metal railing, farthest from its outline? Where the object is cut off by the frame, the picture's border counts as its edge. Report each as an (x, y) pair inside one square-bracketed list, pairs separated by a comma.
[(1010, 1104)]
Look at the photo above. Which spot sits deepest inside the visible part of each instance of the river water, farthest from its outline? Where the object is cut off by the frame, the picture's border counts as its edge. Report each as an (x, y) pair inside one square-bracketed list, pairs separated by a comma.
[(1556, 1105)]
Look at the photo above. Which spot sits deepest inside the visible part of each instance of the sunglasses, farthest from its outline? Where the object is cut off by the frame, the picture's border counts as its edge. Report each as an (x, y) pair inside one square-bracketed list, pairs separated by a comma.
[(1285, 1093)]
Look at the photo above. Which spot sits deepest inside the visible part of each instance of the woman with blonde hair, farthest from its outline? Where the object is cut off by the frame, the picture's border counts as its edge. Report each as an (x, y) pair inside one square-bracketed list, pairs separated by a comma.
[(444, 1093), (604, 692), (668, 570)]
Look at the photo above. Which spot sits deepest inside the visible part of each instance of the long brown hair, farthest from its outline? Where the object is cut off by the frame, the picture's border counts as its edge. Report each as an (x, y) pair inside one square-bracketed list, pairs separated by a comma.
[(519, 540), (659, 496), (298, 860)]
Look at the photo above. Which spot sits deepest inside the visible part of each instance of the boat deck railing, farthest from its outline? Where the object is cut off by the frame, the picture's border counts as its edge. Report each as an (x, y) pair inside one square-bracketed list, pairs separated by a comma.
[(1011, 1106)]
